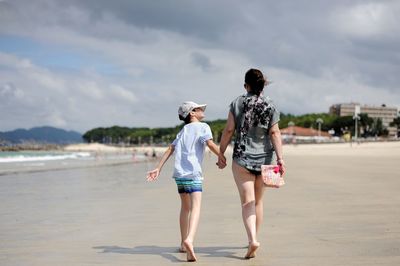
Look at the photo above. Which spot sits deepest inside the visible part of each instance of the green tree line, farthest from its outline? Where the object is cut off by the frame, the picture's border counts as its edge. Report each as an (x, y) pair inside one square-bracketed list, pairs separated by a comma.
[(340, 125), (165, 135)]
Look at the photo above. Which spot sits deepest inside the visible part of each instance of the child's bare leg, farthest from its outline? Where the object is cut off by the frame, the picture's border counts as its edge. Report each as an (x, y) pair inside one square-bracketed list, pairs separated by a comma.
[(184, 218), (193, 223)]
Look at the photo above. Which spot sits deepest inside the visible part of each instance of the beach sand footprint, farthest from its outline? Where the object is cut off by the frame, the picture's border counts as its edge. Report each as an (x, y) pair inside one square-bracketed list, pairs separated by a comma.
[(172, 253)]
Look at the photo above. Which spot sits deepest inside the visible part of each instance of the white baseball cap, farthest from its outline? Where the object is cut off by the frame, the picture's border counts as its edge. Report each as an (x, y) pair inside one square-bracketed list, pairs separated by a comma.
[(188, 106)]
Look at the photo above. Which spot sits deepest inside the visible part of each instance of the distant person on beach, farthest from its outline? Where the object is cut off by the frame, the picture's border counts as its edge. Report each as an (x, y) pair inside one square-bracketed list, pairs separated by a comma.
[(254, 118), (189, 148), (134, 159)]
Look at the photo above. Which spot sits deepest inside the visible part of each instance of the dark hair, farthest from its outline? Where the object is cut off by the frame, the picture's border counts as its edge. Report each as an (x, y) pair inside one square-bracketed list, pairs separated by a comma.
[(255, 79), (185, 119)]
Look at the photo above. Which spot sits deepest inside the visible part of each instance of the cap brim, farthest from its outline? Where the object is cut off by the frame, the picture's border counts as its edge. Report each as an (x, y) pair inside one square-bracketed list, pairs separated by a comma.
[(202, 106)]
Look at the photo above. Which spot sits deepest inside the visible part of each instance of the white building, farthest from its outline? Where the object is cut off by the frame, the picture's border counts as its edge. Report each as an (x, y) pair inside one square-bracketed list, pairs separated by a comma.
[(385, 113)]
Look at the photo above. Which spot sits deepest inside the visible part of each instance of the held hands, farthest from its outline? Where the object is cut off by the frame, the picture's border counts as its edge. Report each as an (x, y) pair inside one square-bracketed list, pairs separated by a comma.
[(221, 161), (152, 175)]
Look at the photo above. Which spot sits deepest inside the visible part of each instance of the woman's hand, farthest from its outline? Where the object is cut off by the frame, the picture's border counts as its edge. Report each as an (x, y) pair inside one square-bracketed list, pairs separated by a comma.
[(282, 168), (152, 175), (221, 161), (225, 139)]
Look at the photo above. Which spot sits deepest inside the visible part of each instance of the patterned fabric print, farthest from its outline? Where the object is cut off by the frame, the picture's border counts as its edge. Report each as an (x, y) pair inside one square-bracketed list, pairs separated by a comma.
[(257, 112), (188, 185)]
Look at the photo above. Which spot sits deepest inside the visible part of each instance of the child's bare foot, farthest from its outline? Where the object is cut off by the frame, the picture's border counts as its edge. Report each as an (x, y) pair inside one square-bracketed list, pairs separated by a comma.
[(191, 257), (251, 250)]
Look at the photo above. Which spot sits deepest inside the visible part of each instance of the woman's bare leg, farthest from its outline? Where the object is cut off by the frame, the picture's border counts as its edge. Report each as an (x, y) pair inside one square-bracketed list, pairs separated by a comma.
[(259, 192), (245, 182)]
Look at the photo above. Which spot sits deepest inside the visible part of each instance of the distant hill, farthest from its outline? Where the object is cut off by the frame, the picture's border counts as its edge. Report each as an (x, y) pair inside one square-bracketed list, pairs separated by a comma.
[(42, 135)]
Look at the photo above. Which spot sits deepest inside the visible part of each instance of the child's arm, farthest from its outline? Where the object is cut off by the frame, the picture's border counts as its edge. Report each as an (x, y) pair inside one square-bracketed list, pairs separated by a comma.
[(212, 146), (152, 175), (227, 134)]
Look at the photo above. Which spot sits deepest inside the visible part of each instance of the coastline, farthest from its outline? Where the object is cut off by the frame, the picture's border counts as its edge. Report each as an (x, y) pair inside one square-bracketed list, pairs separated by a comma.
[(80, 156), (384, 148), (77, 156), (159, 150)]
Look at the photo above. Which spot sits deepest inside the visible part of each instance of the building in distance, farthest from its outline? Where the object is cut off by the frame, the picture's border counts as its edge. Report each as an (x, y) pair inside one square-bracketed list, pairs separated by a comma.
[(385, 113)]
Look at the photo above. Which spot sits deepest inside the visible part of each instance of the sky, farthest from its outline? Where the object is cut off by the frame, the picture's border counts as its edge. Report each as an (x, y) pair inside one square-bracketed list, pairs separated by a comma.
[(78, 65)]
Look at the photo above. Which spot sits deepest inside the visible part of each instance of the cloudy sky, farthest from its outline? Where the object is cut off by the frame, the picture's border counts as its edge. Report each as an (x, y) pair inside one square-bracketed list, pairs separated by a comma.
[(84, 64)]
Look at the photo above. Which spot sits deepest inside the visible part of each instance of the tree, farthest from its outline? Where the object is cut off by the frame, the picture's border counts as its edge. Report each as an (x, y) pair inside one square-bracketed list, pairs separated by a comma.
[(308, 120), (217, 126), (377, 128), (366, 123), (396, 123), (117, 134), (343, 124)]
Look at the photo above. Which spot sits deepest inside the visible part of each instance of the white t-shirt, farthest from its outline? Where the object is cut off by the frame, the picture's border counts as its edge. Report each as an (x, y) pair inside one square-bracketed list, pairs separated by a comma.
[(189, 150)]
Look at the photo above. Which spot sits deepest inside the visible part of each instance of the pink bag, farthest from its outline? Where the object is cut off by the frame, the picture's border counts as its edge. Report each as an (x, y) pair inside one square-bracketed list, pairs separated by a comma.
[(271, 176)]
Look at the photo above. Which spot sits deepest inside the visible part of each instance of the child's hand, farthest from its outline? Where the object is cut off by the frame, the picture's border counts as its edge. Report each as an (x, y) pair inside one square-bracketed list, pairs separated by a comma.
[(152, 175)]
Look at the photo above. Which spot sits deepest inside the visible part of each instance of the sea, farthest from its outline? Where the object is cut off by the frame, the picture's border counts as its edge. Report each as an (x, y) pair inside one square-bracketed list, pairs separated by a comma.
[(12, 162), (40, 156)]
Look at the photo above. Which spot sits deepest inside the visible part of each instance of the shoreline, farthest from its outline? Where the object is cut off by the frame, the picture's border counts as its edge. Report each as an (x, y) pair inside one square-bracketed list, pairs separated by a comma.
[(106, 148), (103, 155), (308, 147)]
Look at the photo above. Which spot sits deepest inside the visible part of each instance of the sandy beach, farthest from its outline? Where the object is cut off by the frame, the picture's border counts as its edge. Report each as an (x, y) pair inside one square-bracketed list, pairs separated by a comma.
[(340, 206), (96, 147)]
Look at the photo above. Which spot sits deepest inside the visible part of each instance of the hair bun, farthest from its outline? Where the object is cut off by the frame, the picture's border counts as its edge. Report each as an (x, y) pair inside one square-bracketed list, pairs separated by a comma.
[(255, 79), (260, 81)]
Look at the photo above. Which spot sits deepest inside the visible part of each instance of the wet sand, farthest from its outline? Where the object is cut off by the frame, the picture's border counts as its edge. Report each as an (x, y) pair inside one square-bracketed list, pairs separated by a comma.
[(341, 206)]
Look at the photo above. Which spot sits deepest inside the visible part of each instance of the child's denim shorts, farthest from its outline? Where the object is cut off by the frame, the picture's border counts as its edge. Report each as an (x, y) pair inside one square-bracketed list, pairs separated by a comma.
[(188, 185)]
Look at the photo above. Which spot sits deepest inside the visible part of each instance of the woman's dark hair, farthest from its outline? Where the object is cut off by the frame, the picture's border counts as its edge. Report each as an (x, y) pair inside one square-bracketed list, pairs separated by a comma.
[(256, 109), (255, 79)]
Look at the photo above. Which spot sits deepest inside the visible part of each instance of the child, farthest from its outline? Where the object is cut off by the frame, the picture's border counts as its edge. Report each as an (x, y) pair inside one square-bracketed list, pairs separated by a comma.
[(189, 151)]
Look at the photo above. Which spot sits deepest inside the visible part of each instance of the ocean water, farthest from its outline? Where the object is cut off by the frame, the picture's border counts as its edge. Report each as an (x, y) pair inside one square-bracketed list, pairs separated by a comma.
[(35, 161), (36, 156)]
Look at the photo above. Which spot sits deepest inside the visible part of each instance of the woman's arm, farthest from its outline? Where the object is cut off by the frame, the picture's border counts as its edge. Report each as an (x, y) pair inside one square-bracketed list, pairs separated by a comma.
[(152, 175), (227, 134), (275, 136)]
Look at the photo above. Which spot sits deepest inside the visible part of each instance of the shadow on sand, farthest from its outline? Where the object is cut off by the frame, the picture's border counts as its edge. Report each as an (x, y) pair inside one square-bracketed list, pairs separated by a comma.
[(170, 253)]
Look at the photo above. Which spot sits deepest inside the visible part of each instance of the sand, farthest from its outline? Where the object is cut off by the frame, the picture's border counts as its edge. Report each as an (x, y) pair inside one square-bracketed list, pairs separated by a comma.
[(96, 147), (340, 206)]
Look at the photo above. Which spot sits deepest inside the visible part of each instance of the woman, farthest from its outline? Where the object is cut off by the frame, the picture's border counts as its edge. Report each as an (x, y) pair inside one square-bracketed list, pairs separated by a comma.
[(258, 141)]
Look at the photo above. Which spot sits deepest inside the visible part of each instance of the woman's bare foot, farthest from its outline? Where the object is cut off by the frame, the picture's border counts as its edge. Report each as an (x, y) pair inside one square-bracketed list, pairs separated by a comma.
[(182, 249), (251, 250), (191, 257)]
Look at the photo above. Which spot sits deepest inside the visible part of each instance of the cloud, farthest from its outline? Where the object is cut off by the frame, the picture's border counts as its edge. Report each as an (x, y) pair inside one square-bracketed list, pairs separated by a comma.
[(368, 20), (89, 89), (83, 64), (319, 93), (202, 61), (56, 119), (38, 96), (123, 94), (9, 91)]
